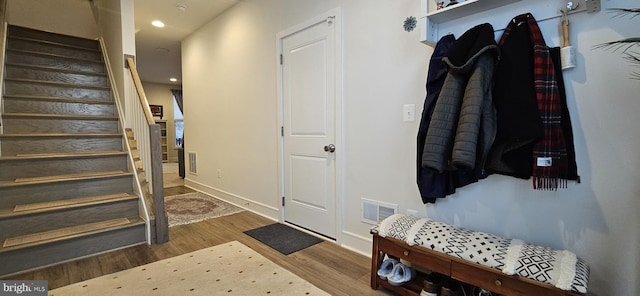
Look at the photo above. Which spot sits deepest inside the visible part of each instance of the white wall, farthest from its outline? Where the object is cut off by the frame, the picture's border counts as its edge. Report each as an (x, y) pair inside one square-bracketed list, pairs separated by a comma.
[(160, 94), (70, 17), (229, 84), (116, 26)]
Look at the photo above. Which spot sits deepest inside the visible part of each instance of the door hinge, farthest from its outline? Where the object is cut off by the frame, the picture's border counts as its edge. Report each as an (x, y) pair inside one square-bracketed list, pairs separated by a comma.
[(283, 201), (282, 130), (281, 59)]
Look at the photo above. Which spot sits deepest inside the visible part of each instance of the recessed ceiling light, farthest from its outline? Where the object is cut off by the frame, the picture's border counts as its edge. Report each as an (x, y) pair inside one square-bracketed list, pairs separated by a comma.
[(158, 24), (173, 79)]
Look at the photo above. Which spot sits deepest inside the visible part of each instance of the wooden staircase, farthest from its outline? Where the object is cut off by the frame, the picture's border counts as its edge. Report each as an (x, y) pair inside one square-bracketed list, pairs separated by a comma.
[(66, 187)]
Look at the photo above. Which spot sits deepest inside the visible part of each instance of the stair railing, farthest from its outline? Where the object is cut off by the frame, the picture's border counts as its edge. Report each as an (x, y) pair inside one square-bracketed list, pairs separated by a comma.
[(149, 143)]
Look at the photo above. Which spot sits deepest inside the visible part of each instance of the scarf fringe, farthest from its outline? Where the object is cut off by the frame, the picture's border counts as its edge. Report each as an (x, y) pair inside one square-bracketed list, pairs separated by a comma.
[(549, 183)]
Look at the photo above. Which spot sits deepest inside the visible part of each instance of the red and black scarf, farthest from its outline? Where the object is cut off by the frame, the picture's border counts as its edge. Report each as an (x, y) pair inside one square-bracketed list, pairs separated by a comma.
[(550, 164)]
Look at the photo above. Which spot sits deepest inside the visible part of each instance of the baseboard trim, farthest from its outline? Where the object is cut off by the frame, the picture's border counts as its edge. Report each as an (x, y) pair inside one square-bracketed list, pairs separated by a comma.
[(348, 240), (356, 243), (243, 202)]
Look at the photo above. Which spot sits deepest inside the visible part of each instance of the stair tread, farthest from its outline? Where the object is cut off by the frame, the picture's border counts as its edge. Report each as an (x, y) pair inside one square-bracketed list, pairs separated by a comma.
[(56, 56), (69, 202), (67, 232), (63, 178), (61, 99), (58, 116), (49, 42), (61, 135), (68, 176), (62, 155), (49, 68), (58, 83)]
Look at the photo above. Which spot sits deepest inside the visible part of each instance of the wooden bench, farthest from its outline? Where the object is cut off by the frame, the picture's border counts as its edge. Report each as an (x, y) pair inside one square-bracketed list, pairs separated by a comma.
[(465, 271)]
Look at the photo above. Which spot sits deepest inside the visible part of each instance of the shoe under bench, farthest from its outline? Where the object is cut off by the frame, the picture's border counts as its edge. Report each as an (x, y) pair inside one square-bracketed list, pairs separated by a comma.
[(456, 268)]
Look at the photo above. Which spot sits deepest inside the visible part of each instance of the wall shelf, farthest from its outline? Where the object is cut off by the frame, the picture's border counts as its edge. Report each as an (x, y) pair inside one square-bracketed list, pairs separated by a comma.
[(430, 24)]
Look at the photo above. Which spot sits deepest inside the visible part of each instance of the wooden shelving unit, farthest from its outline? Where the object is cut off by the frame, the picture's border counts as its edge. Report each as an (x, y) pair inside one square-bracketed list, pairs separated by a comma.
[(164, 140)]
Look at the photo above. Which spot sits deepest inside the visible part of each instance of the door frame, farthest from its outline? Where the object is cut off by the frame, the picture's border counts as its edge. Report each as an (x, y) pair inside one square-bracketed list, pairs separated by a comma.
[(336, 17)]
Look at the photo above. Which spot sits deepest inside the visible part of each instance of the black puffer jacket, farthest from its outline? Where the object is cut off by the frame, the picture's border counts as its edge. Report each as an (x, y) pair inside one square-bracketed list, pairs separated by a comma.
[(463, 125)]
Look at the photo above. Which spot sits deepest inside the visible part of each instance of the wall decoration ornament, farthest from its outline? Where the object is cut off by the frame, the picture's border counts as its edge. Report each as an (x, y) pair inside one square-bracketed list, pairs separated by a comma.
[(410, 23)]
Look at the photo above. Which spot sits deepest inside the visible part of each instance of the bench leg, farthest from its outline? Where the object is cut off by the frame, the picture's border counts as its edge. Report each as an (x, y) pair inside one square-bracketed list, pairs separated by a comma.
[(376, 261)]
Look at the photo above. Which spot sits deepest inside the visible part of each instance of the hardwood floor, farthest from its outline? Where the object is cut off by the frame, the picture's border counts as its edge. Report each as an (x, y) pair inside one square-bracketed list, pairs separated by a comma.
[(328, 266)]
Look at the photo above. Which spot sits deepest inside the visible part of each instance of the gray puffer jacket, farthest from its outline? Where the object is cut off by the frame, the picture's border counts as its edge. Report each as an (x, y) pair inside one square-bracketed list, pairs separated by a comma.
[(463, 125)]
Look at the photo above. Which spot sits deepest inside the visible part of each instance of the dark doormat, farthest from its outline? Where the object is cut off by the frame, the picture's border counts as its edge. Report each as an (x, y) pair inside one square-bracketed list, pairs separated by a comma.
[(283, 238)]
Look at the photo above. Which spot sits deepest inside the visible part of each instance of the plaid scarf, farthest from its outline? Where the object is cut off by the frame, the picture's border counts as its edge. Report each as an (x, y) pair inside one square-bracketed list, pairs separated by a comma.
[(550, 153)]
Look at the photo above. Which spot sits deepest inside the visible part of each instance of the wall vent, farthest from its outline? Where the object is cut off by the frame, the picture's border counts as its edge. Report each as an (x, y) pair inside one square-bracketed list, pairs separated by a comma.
[(372, 212), (193, 167)]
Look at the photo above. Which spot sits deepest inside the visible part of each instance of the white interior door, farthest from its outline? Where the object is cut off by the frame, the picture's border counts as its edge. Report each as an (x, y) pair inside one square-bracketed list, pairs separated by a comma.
[(309, 119)]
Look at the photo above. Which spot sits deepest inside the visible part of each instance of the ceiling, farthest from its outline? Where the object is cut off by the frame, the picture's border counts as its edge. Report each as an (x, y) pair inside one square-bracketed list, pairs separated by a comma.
[(158, 49)]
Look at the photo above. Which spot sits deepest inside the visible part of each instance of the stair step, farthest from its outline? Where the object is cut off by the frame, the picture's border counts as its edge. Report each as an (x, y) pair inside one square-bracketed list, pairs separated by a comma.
[(68, 202), (54, 61), (13, 144), (58, 116), (61, 178), (18, 31), (63, 155), (25, 193), (18, 123), (46, 219), (57, 99), (56, 83), (26, 44), (25, 87), (62, 135), (64, 204), (17, 167), (67, 177), (55, 43), (50, 74), (63, 232), (58, 107), (75, 246)]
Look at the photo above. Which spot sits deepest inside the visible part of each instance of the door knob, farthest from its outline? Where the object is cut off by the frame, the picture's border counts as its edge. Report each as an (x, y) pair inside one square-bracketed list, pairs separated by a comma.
[(330, 148)]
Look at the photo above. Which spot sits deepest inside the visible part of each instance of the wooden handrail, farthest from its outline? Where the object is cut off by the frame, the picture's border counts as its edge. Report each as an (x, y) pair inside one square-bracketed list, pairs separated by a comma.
[(140, 91), (155, 158)]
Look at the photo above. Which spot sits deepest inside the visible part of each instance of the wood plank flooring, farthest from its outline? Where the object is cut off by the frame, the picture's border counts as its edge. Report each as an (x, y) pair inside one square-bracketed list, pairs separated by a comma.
[(328, 266)]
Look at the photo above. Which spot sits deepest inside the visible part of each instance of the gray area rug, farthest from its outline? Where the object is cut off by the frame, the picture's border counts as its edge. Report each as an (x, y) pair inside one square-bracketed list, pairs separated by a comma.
[(195, 207), (227, 269), (283, 238)]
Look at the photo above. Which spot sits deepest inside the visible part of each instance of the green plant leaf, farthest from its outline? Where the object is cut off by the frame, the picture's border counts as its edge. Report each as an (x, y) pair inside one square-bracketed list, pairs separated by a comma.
[(624, 44), (622, 12)]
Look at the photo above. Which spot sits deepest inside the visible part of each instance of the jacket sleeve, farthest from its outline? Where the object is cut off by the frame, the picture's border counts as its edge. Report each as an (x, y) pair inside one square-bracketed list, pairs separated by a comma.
[(477, 92), (439, 141)]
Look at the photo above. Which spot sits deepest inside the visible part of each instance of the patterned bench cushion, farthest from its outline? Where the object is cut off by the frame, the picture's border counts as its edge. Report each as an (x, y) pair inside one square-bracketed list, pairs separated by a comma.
[(560, 268)]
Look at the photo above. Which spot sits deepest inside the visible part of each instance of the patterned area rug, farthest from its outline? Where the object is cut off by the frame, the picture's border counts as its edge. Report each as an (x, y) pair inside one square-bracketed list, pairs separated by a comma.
[(195, 207), (228, 269)]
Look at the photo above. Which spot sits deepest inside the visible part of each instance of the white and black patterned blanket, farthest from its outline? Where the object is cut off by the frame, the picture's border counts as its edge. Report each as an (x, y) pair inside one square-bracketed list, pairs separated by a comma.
[(562, 269)]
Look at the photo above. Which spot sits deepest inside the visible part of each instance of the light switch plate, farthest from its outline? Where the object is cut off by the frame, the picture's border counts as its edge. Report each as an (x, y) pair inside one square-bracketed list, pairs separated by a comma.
[(409, 112)]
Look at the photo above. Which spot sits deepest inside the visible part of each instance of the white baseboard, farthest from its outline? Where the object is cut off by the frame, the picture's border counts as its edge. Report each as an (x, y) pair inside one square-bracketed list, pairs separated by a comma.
[(245, 203), (348, 240), (356, 243)]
